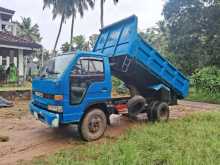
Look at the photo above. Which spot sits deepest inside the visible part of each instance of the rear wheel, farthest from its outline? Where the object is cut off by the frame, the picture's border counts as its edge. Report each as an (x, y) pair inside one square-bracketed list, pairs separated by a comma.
[(136, 105), (93, 125), (162, 112), (151, 109), (158, 111)]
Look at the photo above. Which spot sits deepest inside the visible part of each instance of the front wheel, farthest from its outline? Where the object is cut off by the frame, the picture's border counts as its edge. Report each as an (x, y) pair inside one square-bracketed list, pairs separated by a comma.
[(93, 125)]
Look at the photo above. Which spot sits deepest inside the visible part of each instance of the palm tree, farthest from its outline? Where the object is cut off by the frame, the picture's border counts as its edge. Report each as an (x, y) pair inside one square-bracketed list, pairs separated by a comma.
[(102, 2), (66, 9), (27, 30), (62, 8), (79, 6)]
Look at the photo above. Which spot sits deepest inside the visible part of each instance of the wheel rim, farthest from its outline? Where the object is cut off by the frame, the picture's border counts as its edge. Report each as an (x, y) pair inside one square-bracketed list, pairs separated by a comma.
[(95, 124)]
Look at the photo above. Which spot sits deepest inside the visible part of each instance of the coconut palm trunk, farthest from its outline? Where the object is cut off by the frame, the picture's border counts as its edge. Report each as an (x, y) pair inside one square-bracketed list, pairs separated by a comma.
[(102, 13), (72, 26), (58, 35)]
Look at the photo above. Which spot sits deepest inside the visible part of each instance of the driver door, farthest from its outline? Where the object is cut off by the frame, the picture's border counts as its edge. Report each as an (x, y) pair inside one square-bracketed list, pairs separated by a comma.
[(88, 85), (87, 72)]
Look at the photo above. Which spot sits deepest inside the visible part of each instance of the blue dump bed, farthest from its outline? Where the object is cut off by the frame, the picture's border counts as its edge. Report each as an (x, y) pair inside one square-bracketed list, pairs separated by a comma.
[(136, 61)]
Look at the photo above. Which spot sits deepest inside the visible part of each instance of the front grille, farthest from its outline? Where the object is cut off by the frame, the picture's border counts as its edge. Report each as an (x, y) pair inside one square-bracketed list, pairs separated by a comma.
[(48, 96)]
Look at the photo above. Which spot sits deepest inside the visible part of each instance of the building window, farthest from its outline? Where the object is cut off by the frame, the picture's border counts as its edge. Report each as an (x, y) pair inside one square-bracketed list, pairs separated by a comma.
[(3, 27)]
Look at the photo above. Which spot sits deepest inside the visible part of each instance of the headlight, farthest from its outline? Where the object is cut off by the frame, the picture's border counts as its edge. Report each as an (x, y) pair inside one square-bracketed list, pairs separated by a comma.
[(39, 94), (55, 108)]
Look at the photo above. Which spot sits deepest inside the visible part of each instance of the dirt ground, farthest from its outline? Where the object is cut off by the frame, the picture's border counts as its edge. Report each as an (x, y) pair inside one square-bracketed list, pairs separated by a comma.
[(29, 138)]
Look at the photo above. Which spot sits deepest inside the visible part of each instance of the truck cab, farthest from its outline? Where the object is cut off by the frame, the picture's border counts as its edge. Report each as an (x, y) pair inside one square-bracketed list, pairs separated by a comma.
[(69, 85)]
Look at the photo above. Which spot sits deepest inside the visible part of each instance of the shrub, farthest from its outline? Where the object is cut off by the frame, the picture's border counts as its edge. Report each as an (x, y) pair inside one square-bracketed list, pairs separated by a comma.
[(119, 86), (207, 80)]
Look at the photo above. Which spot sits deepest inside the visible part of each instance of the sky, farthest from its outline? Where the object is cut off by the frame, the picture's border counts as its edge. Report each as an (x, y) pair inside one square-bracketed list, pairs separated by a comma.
[(148, 12)]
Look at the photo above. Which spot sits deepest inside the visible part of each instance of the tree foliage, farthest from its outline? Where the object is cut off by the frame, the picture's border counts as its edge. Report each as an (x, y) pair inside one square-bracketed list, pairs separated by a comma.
[(194, 32), (207, 80), (158, 37), (67, 9), (79, 42), (66, 47), (189, 35), (92, 40), (27, 30)]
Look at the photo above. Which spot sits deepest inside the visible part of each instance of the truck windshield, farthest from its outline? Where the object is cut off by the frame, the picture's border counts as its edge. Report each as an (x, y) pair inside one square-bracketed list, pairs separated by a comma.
[(56, 66)]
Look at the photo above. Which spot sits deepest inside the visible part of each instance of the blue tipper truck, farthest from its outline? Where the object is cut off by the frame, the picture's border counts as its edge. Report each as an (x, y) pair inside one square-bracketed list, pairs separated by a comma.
[(76, 88)]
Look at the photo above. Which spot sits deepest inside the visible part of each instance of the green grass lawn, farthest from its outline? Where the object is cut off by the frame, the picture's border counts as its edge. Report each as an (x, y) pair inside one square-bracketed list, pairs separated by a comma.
[(203, 97), (192, 140)]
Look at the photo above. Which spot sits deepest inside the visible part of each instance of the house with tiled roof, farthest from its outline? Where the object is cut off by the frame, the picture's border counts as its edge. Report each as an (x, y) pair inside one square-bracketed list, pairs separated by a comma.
[(14, 49)]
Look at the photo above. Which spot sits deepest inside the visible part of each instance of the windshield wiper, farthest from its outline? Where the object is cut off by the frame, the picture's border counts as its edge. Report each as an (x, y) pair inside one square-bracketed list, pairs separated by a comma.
[(42, 75), (51, 72), (45, 74)]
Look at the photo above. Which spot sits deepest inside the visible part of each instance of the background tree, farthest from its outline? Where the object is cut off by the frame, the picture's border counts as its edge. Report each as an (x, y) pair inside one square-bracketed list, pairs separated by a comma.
[(92, 40), (59, 8), (79, 6), (66, 9), (66, 47), (102, 2), (26, 30), (158, 37), (194, 32), (80, 43)]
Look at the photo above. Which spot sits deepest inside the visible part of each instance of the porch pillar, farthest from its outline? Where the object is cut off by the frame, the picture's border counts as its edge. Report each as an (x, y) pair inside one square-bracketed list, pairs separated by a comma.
[(0, 60), (20, 62), (15, 61), (7, 61)]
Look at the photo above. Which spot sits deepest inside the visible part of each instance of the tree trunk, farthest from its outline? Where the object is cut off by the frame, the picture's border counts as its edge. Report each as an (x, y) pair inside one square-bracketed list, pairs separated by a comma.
[(102, 13), (71, 35), (58, 35)]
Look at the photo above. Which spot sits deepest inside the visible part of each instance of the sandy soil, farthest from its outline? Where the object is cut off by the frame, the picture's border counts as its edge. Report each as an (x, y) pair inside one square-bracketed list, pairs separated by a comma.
[(29, 138)]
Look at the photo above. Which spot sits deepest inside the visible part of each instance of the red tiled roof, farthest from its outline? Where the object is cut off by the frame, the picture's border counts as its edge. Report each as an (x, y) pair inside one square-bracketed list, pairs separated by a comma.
[(11, 40), (7, 10)]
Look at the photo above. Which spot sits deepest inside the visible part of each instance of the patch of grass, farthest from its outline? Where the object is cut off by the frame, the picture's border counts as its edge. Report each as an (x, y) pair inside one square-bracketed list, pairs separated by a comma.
[(203, 97), (192, 140), (15, 87)]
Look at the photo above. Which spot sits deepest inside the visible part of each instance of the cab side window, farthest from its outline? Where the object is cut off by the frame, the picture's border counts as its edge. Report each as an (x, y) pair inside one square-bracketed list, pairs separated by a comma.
[(85, 72)]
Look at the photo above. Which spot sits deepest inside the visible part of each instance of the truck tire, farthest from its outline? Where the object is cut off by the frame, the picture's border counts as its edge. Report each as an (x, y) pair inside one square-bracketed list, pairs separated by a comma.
[(136, 105), (161, 112), (151, 109), (93, 125)]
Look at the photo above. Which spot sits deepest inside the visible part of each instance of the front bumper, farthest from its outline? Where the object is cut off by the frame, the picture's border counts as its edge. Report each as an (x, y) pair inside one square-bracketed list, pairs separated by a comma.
[(49, 118)]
